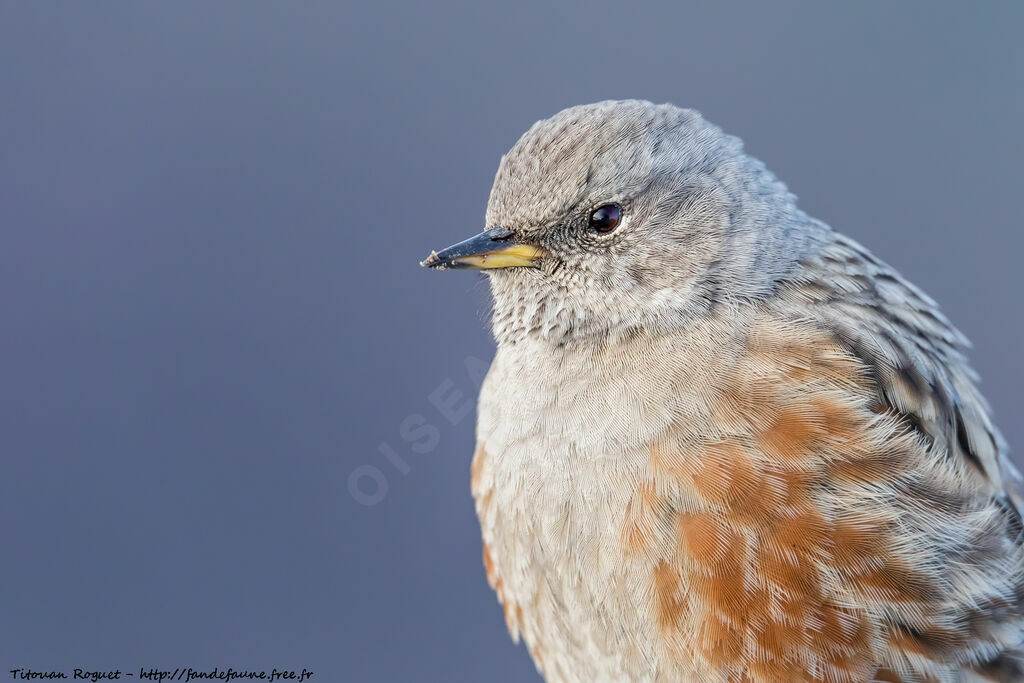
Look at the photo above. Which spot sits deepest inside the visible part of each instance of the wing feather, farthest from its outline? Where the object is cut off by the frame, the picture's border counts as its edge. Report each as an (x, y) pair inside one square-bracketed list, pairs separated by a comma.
[(916, 356)]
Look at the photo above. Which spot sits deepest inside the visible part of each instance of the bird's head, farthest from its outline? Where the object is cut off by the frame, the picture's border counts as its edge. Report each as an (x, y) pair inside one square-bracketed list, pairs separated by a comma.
[(622, 217)]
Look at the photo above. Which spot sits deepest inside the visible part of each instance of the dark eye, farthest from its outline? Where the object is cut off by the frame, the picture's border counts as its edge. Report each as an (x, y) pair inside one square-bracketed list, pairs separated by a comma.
[(606, 218)]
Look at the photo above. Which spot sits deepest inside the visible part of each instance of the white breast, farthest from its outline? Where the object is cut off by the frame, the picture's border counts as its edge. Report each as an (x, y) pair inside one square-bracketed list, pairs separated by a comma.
[(565, 440)]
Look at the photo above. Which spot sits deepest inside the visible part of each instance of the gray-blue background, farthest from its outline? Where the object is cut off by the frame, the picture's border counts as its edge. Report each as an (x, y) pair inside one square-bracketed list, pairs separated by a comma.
[(210, 219)]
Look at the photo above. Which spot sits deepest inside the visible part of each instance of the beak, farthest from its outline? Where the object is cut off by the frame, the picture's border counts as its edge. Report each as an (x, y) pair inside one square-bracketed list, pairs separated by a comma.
[(494, 248)]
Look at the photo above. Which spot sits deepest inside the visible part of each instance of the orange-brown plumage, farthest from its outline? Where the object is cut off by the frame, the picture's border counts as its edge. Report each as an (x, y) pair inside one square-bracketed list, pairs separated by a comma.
[(754, 555)]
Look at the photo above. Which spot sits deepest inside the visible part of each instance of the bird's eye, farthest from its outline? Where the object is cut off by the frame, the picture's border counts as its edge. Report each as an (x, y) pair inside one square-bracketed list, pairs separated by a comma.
[(606, 218)]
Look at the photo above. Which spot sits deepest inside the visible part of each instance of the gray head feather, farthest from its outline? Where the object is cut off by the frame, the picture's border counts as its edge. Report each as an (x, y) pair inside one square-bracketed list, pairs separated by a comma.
[(704, 224)]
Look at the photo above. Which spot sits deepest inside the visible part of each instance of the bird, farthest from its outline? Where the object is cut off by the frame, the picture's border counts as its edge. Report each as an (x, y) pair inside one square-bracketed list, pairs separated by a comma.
[(720, 441)]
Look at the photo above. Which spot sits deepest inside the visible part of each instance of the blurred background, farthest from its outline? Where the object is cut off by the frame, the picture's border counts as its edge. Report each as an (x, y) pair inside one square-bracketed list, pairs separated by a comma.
[(235, 415)]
